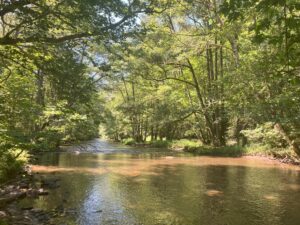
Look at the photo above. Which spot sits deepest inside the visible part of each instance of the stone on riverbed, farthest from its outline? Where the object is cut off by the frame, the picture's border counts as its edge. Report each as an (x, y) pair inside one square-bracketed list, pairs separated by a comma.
[(33, 193), (3, 214), (50, 183), (11, 197)]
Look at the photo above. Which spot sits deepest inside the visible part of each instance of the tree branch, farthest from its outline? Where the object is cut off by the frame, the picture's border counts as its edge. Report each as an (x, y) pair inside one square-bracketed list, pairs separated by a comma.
[(4, 9)]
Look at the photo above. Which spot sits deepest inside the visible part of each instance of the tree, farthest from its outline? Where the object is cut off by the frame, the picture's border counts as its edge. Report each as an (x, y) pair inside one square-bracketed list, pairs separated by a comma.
[(48, 94)]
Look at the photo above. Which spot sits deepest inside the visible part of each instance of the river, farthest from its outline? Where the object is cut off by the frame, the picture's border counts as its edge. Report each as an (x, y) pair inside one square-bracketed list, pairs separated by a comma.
[(106, 183)]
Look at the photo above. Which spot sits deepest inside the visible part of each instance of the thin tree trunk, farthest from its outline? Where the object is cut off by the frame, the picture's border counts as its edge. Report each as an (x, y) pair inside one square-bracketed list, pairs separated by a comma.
[(40, 95)]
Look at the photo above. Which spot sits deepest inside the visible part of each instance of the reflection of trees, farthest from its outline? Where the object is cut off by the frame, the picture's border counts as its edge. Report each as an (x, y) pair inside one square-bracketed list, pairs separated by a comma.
[(135, 189), (49, 159), (102, 204), (82, 160), (71, 192), (177, 194), (73, 186), (170, 197)]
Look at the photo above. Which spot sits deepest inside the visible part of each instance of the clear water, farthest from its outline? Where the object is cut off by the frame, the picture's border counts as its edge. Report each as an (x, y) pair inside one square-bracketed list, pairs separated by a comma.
[(113, 184)]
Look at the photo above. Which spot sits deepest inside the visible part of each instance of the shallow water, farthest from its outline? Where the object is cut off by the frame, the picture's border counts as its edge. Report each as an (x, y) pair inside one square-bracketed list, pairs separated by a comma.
[(113, 184)]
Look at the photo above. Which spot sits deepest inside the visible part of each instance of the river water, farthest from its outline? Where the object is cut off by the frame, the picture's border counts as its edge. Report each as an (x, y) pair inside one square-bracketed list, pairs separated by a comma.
[(108, 184)]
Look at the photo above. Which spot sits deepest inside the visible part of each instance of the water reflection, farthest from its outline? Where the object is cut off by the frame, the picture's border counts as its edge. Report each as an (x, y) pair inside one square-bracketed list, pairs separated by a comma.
[(154, 187)]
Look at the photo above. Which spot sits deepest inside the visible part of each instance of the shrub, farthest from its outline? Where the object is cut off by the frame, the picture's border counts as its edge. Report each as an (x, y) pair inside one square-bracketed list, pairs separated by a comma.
[(186, 145), (227, 151), (265, 135), (9, 166), (159, 144), (46, 140), (128, 141)]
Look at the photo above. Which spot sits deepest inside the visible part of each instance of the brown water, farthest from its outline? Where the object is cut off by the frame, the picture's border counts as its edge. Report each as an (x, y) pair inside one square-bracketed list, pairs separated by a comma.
[(113, 184)]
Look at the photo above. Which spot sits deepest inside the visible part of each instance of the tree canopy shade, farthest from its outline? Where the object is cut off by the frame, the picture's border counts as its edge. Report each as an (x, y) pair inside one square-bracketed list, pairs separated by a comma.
[(220, 71), (233, 66), (31, 21), (48, 95)]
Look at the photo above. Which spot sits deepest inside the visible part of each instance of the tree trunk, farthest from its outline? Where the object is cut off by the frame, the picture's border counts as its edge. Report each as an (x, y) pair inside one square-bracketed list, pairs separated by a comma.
[(40, 95)]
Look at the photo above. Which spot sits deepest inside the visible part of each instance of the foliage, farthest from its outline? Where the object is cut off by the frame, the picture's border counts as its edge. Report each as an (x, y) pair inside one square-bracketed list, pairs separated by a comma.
[(210, 70), (9, 166), (265, 134), (186, 145), (207, 70), (48, 81), (226, 151), (128, 141), (159, 144)]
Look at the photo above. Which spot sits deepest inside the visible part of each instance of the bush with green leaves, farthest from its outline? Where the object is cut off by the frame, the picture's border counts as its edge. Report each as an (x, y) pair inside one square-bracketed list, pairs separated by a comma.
[(128, 141), (160, 144), (79, 127), (265, 134), (10, 164), (186, 145)]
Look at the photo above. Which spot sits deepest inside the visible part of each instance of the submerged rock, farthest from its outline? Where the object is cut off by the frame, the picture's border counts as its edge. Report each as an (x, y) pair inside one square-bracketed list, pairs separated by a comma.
[(98, 211), (50, 183), (3, 214), (27, 208)]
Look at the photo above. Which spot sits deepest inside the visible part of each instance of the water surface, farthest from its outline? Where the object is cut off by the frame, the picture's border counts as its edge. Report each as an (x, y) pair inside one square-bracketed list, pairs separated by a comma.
[(113, 184)]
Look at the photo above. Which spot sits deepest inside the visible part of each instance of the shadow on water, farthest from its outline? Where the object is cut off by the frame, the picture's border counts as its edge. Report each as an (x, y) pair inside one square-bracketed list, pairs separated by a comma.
[(148, 186)]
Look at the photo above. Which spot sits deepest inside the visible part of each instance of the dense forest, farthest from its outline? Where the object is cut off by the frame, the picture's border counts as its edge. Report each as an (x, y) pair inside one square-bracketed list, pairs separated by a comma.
[(212, 73)]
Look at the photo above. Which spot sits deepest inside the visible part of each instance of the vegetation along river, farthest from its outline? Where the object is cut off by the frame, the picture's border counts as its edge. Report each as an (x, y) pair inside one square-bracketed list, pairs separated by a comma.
[(106, 183)]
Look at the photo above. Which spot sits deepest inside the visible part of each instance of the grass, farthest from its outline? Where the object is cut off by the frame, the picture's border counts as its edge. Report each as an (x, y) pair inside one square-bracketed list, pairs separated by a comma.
[(186, 145), (128, 141), (182, 144), (282, 154), (159, 144), (226, 151), (196, 147), (233, 150), (154, 144)]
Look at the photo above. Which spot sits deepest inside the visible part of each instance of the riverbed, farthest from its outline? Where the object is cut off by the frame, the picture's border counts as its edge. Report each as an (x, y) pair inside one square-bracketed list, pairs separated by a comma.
[(100, 182)]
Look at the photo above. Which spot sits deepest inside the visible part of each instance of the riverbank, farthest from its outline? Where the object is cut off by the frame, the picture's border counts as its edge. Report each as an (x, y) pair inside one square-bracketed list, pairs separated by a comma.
[(25, 188), (282, 155)]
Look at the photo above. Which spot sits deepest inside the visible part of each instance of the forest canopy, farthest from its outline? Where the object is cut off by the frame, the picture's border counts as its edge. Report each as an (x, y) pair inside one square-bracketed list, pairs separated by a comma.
[(222, 72)]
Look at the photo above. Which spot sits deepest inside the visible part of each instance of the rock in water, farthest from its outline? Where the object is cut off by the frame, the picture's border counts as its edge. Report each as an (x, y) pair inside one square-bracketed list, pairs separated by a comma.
[(3, 214), (50, 183)]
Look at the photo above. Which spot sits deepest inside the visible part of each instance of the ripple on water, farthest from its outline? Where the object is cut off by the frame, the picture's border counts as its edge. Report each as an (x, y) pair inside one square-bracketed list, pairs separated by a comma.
[(146, 187)]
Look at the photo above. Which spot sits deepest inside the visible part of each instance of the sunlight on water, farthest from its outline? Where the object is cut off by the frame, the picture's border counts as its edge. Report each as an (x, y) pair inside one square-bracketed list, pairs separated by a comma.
[(148, 187)]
